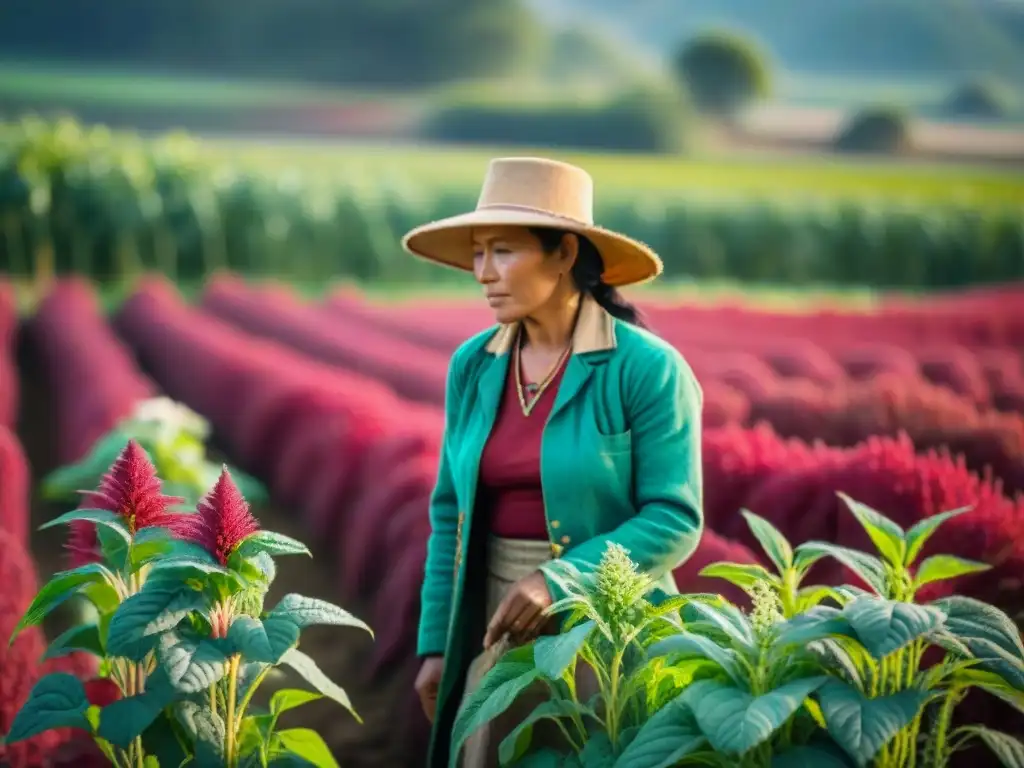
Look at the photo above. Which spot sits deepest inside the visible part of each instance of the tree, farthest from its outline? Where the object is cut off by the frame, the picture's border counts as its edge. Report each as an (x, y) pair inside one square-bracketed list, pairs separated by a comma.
[(723, 71)]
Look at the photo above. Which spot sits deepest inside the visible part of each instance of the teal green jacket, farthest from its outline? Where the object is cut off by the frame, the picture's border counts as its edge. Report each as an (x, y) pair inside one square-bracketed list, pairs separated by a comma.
[(620, 461)]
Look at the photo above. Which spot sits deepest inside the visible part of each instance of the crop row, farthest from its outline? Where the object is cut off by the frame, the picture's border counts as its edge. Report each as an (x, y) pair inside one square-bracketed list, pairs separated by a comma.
[(93, 380), (740, 388), (975, 352), (20, 666), (81, 199)]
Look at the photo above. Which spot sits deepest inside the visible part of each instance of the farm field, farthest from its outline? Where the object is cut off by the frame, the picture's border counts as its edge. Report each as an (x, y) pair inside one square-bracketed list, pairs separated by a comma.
[(713, 177), (334, 402), (115, 205)]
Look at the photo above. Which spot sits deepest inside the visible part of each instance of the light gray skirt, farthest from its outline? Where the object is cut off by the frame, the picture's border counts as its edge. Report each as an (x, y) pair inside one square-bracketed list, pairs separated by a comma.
[(508, 561)]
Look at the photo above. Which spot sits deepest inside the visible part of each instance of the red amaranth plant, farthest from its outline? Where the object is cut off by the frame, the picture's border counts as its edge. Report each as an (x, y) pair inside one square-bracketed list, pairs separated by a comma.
[(131, 490), (222, 520), (181, 630)]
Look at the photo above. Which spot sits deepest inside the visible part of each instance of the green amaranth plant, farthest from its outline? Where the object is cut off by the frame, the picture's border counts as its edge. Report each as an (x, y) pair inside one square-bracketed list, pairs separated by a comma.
[(182, 632), (173, 436), (609, 624), (877, 640), (794, 683)]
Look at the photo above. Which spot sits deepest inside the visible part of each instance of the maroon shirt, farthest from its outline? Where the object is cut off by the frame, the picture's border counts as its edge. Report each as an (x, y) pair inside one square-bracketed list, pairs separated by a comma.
[(509, 486)]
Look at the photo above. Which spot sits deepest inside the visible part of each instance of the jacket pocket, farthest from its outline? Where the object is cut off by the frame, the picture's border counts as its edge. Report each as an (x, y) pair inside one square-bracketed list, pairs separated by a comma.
[(620, 442)]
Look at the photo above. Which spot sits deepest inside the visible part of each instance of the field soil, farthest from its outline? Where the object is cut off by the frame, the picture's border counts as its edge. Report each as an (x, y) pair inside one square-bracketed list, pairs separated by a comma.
[(344, 654)]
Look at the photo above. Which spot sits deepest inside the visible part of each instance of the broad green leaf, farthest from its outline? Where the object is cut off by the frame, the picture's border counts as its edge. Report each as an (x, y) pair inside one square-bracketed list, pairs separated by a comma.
[(743, 575), (193, 663), (812, 756), (664, 739), (59, 588), (1008, 749), (885, 626), (971, 619), (725, 617), (846, 658), (290, 698), (517, 743), (56, 701), (499, 688), (156, 544), (101, 517), (127, 718), (864, 565), (598, 751), (193, 563), (690, 644), (308, 611), (264, 641), (989, 633), (553, 654), (83, 637), (921, 531), (103, 596), (734, 721), (160, 605), (990, 657), (207, 732), (887, 536), (114, 546), (861, 726), (817, 623), (307, 744), (803, 560), (771, 539), (271, 543), (940, 567), (313, 675), (809, 597)]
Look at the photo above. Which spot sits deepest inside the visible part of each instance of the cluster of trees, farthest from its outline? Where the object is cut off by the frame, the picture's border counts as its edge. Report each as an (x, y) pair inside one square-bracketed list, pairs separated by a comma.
[(375, 42)]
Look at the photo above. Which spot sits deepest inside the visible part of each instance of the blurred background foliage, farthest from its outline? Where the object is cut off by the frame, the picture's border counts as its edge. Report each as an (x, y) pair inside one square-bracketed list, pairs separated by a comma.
[(857, 142)]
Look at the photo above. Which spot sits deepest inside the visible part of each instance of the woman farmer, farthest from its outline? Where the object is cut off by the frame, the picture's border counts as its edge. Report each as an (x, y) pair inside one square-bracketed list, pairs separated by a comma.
[(567, 426)]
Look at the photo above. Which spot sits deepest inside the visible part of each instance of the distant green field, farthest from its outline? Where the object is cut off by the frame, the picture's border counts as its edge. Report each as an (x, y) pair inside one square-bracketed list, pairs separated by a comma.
[(63, 84), (799, 180)]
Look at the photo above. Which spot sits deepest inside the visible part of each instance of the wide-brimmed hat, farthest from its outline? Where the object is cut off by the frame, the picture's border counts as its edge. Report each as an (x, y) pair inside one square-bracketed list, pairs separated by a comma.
[(534, 192)]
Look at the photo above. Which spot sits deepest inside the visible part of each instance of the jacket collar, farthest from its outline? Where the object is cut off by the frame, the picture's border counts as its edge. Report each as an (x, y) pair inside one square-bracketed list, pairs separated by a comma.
[(595, 331)]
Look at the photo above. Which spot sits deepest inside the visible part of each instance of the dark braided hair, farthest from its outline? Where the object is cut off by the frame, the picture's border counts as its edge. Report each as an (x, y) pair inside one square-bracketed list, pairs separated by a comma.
[(586, 273)]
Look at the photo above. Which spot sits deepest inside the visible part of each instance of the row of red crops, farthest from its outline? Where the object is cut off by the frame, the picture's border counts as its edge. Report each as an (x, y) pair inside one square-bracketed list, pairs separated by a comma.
[(20, 665), (741, 388)]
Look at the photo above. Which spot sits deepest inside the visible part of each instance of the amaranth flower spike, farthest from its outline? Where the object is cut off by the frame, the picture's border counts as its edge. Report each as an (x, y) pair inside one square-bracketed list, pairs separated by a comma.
[(131, 490), (222, 520)]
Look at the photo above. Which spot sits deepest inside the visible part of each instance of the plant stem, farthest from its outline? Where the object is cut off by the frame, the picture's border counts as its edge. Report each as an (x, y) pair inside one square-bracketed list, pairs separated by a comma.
[(229, 719), (612, 722), (252, 689)]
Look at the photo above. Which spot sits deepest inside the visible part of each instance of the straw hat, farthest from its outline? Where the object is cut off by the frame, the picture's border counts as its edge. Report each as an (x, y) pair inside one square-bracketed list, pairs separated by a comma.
[(534, 192)]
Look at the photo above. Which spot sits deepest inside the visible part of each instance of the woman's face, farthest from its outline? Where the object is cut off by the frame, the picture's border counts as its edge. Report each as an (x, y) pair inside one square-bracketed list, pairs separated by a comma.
[(518, 277)]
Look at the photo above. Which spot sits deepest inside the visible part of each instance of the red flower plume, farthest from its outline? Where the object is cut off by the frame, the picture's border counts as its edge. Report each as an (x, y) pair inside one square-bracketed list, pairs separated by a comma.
[(131, 490), (222, 520)]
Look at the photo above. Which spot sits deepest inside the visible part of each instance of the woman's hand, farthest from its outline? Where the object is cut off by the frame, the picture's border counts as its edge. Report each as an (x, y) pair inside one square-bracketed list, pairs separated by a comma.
[(521, 613), (428, 683)]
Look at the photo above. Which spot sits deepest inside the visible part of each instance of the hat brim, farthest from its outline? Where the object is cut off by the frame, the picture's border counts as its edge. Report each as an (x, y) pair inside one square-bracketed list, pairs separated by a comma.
[(449, 242)]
